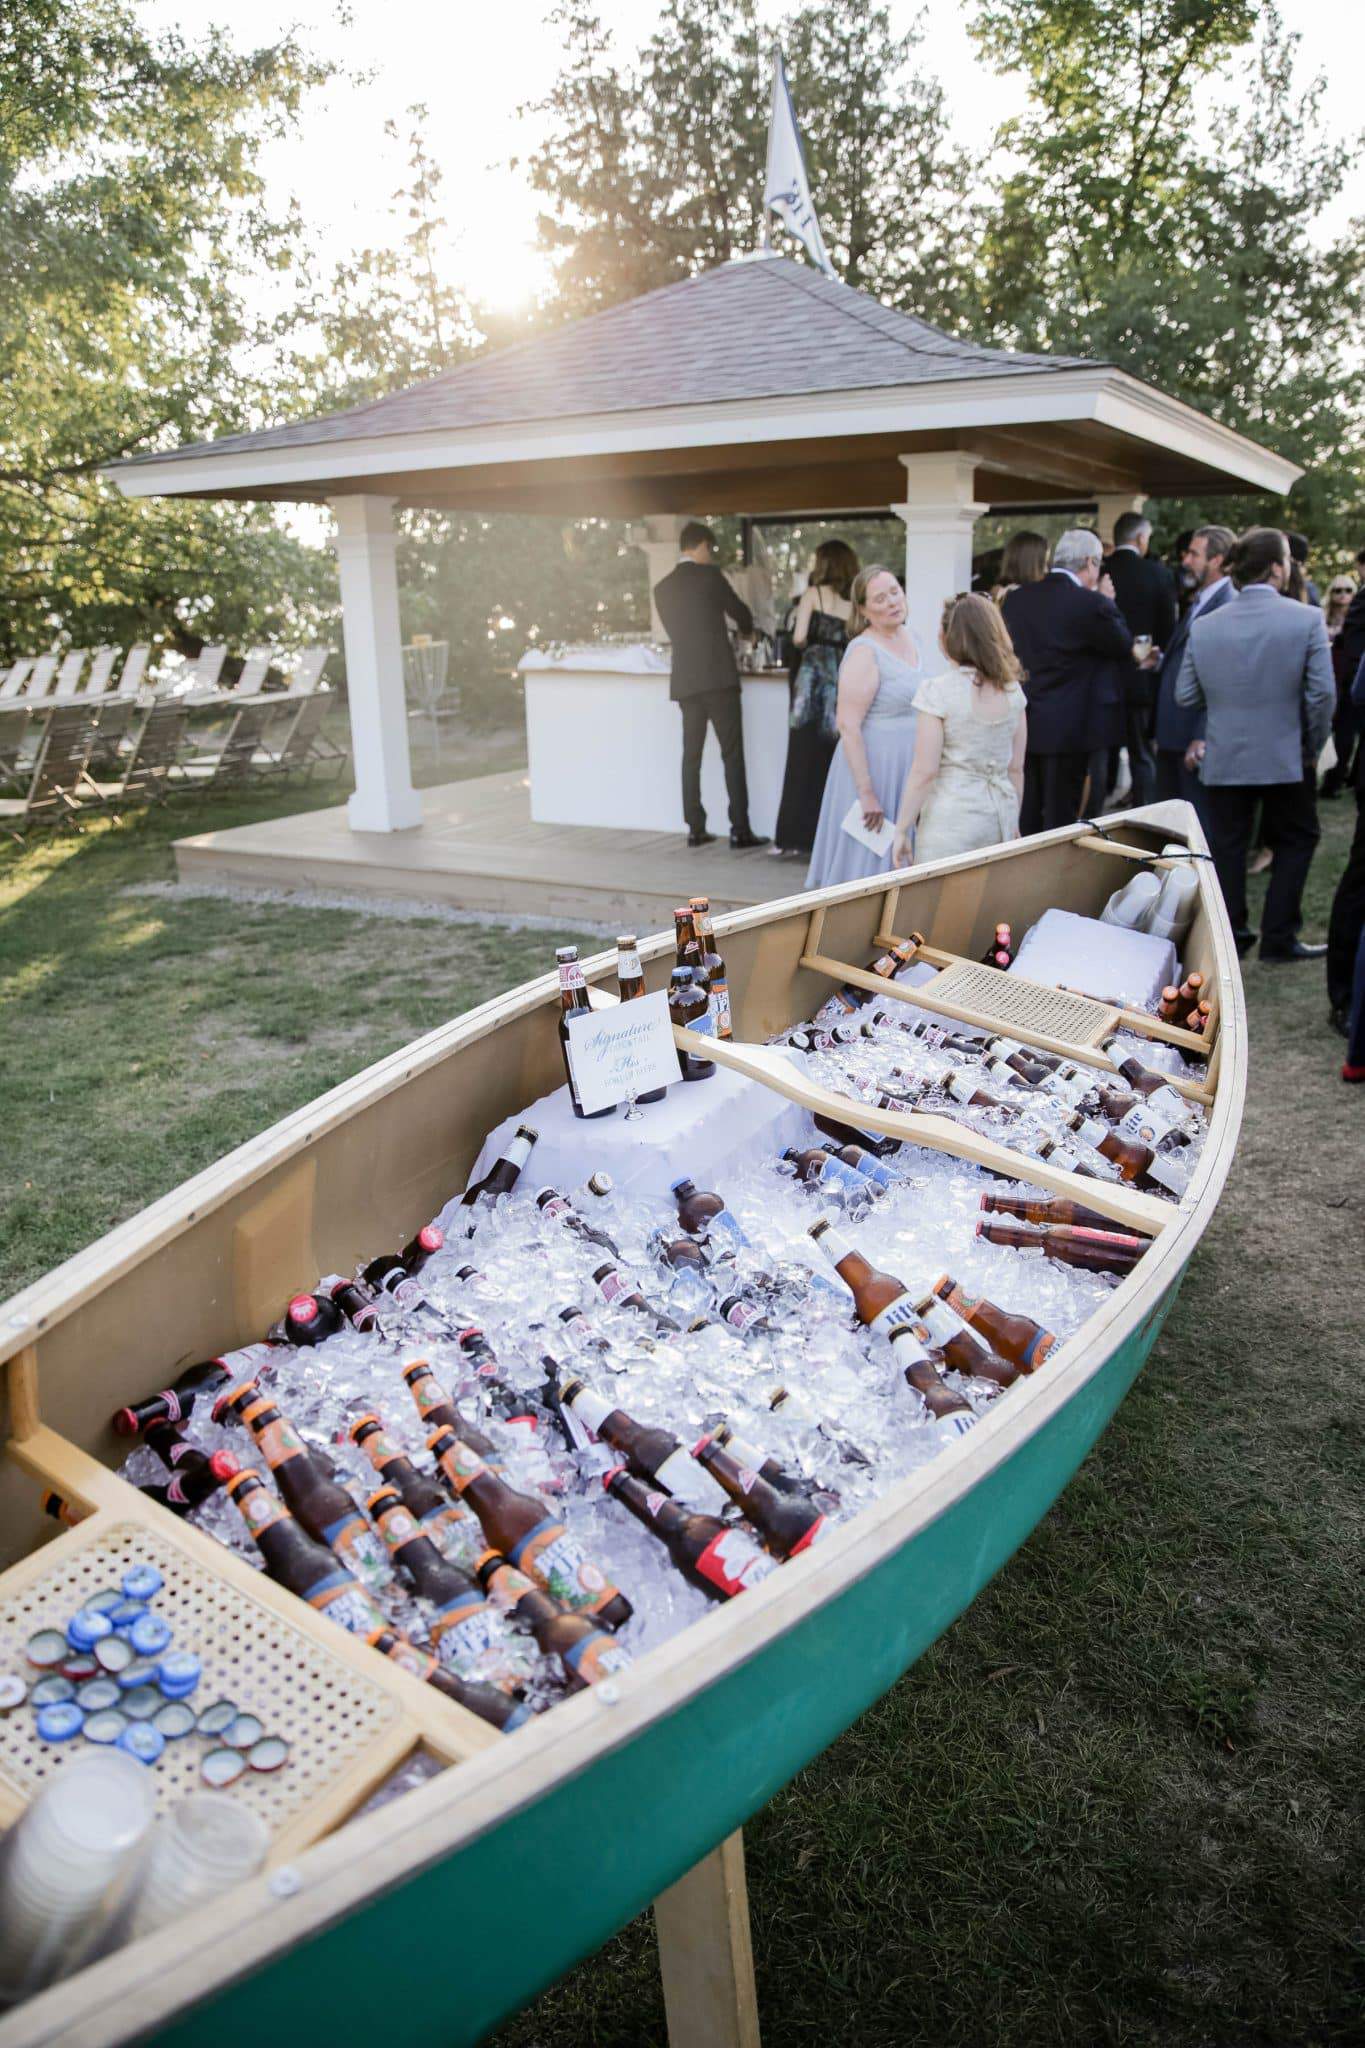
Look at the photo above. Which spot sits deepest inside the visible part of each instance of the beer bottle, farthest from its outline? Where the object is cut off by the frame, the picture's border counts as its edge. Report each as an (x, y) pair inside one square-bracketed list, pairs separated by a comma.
[(1130, 1157), (1201, 1017), (630, 985), (963, 1349), (1016, 1337), (794, 1406), (744, 1316), (680, 1254), (294, 1560), (846, 998), (194, 1477), (1191, 993), (580, 1333), (1000, 952), (898, 954), (508, 1403), (618, 1292), (463, 1628), (447, 1523), (818, 1168), (880, 1300), (920, 1361), (863, 1089), (690, 1010), (867, 1163), (503, 1175), (358, 1304), (573, 1002), (705, 1215), (309, 1319), (322, 1508), (484, 1700), (758, 1460), (689, 945), (1136, 1119), (586, 1651), (960, 1083), (60, 1509), (1168, 1008), (559, 1209), (1093, 1251), (437, 1410), (1010, 1048), (717, 1558), (845, 1134), (424, 1246), (176, 1403), (517, 1525), (1036, 1208), (786, 1525), (1154, 1089), (651, 1453), (941, 1039), (717, 978)]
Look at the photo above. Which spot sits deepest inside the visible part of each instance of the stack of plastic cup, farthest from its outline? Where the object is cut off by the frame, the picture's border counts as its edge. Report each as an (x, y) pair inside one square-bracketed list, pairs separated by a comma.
[(59, 1862), (202, 1847)]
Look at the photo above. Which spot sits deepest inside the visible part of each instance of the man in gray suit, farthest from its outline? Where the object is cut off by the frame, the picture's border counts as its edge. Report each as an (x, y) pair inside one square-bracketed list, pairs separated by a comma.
[(1262, 670)]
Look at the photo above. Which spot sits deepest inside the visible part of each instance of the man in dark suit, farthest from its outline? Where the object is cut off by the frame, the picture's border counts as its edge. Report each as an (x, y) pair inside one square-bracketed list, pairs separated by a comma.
[(1072, 644), (1145, 594), (694, 601), (1179, 729)]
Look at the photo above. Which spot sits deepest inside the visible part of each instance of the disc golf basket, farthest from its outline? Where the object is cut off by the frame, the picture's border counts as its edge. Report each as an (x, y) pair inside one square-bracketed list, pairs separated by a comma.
[(426, 666)]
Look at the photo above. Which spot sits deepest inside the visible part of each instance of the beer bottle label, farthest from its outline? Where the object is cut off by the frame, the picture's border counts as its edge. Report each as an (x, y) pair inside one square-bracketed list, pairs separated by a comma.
[(720, 1009), (461, 1464), (381, 1449), (808, 1536), (462, 1631), (690, 1482), (733, 1564), (552, 1557), (957, 1422), (872, 1168), (407, 1296), (343, 1601), (899, 1314), (837, 1007), (457, 1535), (724, 1226), (596, 1657), (260, 1510), (590, 1409), (571, 975), (1000, 1070), (358, 1548), (612, 1287), (704, 1022), (507, 1586), (943, 1325), (742, 1315), (280, 1442), (1146, 1126), (428, 1394), (962, 1087), (1091, 1132), (1168, 1173), (407, 1658), (839, 1174), (560, 1206)]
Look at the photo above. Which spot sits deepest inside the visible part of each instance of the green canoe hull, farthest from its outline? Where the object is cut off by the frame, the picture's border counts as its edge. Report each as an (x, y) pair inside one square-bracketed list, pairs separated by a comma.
[(719, 1759)]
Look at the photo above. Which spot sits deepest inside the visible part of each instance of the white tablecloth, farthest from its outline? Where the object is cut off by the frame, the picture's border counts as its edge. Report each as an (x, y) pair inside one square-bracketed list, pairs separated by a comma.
[(701, 1128)]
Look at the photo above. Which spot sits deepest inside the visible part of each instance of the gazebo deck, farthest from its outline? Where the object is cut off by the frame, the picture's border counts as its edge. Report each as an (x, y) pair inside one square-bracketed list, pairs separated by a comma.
[(477, 849)]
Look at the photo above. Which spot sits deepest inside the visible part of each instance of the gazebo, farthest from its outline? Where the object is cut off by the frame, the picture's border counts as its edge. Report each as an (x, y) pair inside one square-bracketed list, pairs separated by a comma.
[(762, 387)]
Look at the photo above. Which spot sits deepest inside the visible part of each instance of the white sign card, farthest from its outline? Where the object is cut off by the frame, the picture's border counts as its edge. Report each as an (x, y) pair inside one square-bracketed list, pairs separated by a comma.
[(621, 1052), (878, 842)]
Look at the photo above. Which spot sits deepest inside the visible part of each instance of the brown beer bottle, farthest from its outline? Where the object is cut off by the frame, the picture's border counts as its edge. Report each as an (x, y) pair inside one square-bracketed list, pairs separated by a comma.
[(444, 1520), (1093, 1251), (704, 1214), (630, 985), (1000, 952), (867, 1141), (689, 953), (503, 1175), (786, 1525), (712, 1555), (437, 1410), (618, 1292), (880, 1300), (559, 1209), (321, 1507), (424, 1246), (1154, 1089), (940, 1038), (920, 1361), (898, 954), (293, 1559), (689, 1007), (963, 1349), (518, 1526), (1188, 996), (1201, 1017), (573, 1002), (651, 1453), (717, 979), (462, 1626), (1034, 1208), (961, 1084), (834, 1170), (586, 1651), (1016, 1337), (1168, 1008), (760, 1461), (484, 1700), (194, 1386), (681, 1254), (1130, 1157)]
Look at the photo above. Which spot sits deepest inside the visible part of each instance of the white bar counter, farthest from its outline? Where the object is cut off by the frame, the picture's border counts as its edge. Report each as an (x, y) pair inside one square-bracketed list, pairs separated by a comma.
[(604, 741)]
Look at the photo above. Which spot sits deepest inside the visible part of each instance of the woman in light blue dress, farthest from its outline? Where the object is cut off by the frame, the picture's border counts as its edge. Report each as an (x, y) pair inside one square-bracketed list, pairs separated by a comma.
[(878, 683)]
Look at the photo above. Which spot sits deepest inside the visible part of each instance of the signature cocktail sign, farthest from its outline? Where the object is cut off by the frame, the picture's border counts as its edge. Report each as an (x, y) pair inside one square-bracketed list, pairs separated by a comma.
[(624, 1052)]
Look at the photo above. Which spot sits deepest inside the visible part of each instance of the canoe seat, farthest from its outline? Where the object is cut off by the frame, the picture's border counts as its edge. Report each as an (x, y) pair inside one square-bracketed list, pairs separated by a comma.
[(1011, 1000)]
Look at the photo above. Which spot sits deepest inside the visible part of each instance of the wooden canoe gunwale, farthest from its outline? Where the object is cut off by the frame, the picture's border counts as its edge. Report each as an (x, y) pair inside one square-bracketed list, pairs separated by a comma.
[(469, 1801)]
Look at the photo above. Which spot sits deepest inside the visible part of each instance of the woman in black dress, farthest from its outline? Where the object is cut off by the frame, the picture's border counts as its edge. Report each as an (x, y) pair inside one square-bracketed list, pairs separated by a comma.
[(820, 637)]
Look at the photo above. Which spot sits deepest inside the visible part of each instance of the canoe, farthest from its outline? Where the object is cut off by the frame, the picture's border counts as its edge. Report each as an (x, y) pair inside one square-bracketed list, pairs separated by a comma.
[(606, 1801)]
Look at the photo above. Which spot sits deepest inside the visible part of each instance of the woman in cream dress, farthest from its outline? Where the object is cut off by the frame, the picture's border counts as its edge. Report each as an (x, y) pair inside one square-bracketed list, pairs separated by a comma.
[(967, 776)]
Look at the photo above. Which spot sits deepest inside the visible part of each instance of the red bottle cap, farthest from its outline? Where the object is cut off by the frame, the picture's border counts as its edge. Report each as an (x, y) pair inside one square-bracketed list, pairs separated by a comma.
[(124, 1422), (223, 1466), (615, 1473), (700, 1445), (431, 1237), (303, 1308)]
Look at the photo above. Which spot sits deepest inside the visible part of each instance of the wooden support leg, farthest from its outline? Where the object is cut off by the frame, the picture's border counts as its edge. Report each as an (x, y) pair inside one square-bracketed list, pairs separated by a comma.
[(706, 1957)]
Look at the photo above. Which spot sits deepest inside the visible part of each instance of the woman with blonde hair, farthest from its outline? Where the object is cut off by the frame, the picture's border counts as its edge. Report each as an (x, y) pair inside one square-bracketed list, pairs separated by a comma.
[(820, 637), (878, 680), (966, 780)]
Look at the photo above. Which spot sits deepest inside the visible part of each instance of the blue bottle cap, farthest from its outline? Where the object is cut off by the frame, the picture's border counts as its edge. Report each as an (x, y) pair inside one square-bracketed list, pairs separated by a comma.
[(59, 1722), (47, 1691), (142, 1741), (142, 1582), (150, 1634), (85, 1629), (126, 1613), (142, 1671), (106, 1726), (141, 1703), (178, 1673), (105, 1601)]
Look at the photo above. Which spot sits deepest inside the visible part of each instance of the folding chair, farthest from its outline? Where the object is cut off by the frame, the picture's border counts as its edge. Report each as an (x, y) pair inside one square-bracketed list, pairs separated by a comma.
[(255, 669), (113, 719), (134, 669), (58, 767), (14, 730), (203, 677), (243, 754), (41, 678), (101, 672), (305, 745), (149, 767), (306, 674), (14, 682), (69, 674)]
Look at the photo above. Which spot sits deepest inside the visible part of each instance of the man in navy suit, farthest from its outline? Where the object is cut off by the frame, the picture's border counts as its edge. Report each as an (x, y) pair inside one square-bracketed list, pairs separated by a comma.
[(1145, 594), (1073, 647), (694, 601), (1180, 729)]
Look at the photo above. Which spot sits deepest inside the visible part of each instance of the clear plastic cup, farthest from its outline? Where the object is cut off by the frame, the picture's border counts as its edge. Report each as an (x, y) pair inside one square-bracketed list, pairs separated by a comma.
[(204, 1846)]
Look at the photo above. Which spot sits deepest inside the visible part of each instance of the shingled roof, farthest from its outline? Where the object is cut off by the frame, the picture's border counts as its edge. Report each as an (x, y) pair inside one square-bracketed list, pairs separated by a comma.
[(753, 329)]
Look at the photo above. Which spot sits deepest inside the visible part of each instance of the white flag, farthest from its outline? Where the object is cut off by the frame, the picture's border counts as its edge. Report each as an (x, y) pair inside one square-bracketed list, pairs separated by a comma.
[(786, 187)]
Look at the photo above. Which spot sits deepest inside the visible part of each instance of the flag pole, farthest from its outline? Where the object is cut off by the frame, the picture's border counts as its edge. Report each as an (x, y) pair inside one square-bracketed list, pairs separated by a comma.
[(766, 245)]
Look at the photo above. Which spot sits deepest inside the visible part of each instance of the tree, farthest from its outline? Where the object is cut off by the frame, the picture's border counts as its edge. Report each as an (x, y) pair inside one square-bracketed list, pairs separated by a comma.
[(1159, 211), (132, 217), (653, 170)]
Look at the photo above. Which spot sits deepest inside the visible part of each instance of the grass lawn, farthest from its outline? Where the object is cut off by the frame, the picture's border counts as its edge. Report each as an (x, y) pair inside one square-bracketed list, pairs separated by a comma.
[(1119, 1801)]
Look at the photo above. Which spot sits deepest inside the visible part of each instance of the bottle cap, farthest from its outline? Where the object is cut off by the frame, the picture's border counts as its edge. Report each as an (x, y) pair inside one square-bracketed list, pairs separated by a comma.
[(223, 1466), (818, 1229), (136, 1673), (684, 1180), (84, 1629), (368, 1423), (13, 1692), (178, 1673), (114, 1654), (126, 1613), (615, 1473), (523, 1131), (216, 1718), (302, 1309), (172, 1721), (96, 1694), (431, 1237), (105, 1727), (381, 1498), (140, 1703), (59, 1722), (222, 1767), (269, 1754), (150, 1634), (235, 1392), (700, 1445), (600, 1183), (142, 1741), (46, 1691), (79, 1665), (104, 1602), (47, 1648)]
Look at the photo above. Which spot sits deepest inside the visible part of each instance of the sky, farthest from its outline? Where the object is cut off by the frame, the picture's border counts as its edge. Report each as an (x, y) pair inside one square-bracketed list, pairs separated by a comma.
[(475, 65)]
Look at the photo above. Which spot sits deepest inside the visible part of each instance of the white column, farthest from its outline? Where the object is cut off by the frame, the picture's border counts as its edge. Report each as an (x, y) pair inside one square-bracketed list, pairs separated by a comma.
[(1111, 505), (658, 543), (940, 514), (366, 550)]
